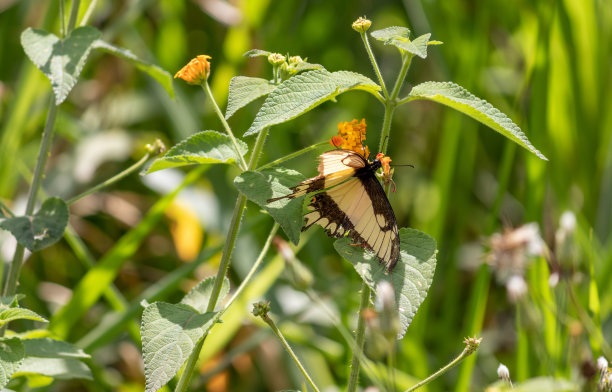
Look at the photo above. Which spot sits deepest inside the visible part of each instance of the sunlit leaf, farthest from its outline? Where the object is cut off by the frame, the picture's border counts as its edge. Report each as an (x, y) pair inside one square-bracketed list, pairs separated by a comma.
[(11, 358), (41, 230), (199, 295), (60, 60), (203, 147), (261, 186), (458, 98), (410, 278), (418, 46), (301, 93), (389, 35), (257, 53), (244, 90), (58, 368), (169, 333), (51, 348), (9, 314), (159, 74)]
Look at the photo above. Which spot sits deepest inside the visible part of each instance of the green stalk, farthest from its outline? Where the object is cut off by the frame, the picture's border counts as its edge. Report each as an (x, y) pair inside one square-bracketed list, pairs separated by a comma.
[(406, 60), (74, 12), (291, 156), (285, 344), (183, 383), (359, 339), (366, 43), (467, 351), (88, 12), (43, 153), (242, 163)]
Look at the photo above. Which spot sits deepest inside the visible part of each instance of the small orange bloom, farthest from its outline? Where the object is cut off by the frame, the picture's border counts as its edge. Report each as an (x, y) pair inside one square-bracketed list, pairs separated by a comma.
[(351, 137), (197, 71)]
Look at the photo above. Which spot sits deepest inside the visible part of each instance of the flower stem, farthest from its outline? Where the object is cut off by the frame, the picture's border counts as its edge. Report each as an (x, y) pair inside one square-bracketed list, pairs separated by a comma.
[(285, 344), (366, 43), (74, 12), (359, 339), (242, 163), (183, 383), (406, 60), (43, 153), (291, 156)]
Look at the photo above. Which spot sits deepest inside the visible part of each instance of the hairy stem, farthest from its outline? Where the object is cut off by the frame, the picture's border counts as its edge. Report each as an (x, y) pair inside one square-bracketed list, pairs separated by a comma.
[(366, 43), (406, 60), (291, 156), (74, 12)]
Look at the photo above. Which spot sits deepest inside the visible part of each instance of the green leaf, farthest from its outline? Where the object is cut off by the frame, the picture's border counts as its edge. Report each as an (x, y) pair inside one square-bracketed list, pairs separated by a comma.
[(306, 66), (11, 358), (159, 74), (244, 90), (60, 60), (199, 295), (58, 368), (169, 334), (9, 314), (417, 47), (410, 278), (257, 53), (259, 187), (460, 99), (203, 147), (51, 348), (12, 301), (41, 230), (391, 34), (303, 92)]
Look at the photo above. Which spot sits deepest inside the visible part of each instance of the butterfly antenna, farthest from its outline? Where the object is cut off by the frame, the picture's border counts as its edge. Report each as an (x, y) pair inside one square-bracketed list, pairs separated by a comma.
[(412, 166)]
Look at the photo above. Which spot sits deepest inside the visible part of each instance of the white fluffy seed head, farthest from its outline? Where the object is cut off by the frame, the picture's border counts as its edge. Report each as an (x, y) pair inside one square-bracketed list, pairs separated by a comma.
[(602, 364), (503, 372)]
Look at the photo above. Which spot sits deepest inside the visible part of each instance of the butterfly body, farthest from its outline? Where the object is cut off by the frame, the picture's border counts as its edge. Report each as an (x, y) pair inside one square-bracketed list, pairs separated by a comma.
[(349, 201)]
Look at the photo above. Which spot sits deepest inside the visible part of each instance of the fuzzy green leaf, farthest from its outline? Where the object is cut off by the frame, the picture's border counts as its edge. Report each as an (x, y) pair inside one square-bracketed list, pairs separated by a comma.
[(460, 99), (203, 147), (11, 358), (60, 60), (169, 333), (160, 75), (418, 46), (9, 314), (259, 187), (257, 53), (199, 295), (41, 230), (244, 90), (410, 278), (391, 34), (303, 92), (58, 368), (51, 348)]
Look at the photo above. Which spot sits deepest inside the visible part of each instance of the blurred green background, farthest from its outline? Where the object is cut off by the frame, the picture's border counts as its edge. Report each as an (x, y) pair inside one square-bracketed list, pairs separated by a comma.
[(546, 64)]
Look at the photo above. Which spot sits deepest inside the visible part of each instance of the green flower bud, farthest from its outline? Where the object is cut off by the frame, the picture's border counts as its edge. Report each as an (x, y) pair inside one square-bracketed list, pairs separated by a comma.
[(362, 25)]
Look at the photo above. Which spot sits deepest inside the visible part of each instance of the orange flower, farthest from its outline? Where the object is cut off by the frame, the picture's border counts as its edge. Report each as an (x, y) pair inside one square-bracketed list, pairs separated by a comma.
[(387, 172), (197, 71), (351, 136)]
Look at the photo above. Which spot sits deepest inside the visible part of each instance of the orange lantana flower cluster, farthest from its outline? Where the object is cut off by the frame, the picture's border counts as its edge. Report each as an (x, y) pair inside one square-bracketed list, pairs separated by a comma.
[(197, 71), (351, 136)]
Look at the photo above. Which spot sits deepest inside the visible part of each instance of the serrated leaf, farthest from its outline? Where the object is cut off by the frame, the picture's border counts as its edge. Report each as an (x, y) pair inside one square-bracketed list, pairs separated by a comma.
[(162, 76), (389, 34), (203, 147), (51, 348), (60, 60), (58, 368), (257, 53), (41, 230), (410, 278), (418, 46), (169, 333), (9, 314), (244, 90), (199, 295), (306, 66), (261, 186), (303, 92), (455, 96), (11, 358)]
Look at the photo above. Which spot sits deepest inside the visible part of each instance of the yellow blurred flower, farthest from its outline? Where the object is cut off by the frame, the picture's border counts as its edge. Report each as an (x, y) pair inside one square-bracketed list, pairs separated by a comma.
[(351, 136), (197, 71)]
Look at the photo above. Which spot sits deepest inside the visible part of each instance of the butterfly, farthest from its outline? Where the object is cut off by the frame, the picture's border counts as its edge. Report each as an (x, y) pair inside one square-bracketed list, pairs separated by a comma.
[(349, 201)]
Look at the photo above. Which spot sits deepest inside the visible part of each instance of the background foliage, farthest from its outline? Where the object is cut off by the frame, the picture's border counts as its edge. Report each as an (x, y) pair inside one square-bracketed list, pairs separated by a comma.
[(546, 64)]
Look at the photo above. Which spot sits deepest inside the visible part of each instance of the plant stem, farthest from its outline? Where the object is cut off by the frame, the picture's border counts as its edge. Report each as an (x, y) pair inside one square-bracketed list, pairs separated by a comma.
[(285, 344), (113, 179), (464, 354), (183, 383), (406, 60), (242, 163), (366, 43), (43, 153), (62, 18), (88, 12), (74, 12), (359, 339), (292, 155), (386, 128), (6, 209)]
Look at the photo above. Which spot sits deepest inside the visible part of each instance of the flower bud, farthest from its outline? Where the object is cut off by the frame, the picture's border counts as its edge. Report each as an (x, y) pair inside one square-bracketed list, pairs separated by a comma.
[(295, 60), (261, 309), (196, 71), (361, 25), (276, 58), (602, 364)]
